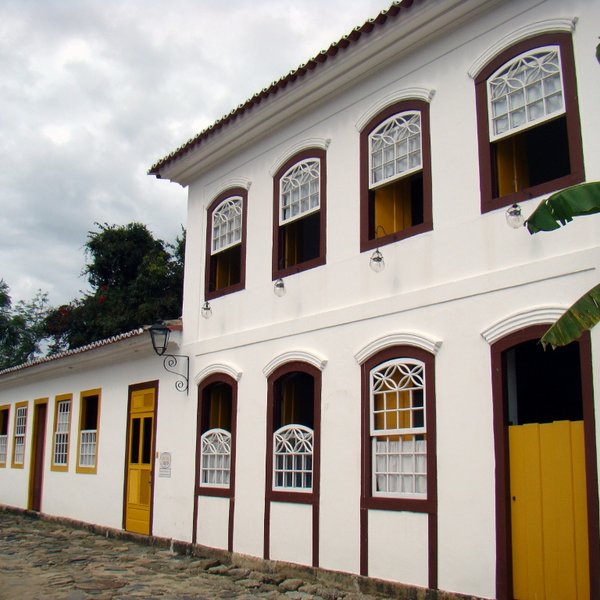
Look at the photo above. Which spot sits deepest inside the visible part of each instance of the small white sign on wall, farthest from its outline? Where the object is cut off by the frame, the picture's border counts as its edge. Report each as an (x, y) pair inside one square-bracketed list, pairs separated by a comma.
[(164, 464)]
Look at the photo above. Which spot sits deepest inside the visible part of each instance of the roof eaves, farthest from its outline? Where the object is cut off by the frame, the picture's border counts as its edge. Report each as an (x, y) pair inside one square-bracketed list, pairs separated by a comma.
[(314, 63), (59, 355)]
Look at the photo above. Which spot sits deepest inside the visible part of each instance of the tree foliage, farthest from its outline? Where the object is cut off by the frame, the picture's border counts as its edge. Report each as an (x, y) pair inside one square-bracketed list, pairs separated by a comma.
[(22, 327), (135, 280)]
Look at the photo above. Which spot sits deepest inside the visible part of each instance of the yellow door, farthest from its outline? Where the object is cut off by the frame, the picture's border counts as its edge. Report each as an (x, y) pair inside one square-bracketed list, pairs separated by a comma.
[(140, 461), (549, 511)]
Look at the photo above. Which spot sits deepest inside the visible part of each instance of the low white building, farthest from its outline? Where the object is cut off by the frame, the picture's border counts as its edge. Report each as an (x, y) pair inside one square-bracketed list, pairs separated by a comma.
[(402, 422)]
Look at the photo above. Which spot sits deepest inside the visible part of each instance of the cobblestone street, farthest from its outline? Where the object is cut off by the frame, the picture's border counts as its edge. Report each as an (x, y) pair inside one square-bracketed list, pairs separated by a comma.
[(42, 559)]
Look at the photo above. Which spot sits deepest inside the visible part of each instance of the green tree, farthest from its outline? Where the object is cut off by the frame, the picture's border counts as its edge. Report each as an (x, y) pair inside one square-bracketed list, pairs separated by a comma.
[(135, 280), (22, 328)]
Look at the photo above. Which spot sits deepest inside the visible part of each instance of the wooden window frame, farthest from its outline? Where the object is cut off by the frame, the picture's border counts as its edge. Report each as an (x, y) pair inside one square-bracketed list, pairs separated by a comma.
[(90, 470), (14, 464), (369, 500), (280, 272), (57, 401), (206, 489), (368, 242), (571, 114), (209, 293), (5, 414)]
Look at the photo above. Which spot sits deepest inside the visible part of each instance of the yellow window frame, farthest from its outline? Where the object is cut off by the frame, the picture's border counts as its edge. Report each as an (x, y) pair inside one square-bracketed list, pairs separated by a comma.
[(57, 400), (90, 470), (5, 408), (14, 464)]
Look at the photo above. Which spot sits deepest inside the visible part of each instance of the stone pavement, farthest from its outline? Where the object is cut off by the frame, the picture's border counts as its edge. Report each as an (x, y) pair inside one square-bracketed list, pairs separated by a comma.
[(48, 559)]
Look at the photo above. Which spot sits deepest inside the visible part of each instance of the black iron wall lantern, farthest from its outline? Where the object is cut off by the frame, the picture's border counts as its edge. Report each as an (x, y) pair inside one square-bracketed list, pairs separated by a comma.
[(159, 334)]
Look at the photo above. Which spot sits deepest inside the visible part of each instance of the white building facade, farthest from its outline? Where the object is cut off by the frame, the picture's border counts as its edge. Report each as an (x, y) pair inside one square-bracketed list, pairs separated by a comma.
[(400, 423)]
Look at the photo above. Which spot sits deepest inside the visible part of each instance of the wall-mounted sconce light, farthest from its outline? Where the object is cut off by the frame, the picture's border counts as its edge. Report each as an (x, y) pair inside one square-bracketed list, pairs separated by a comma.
[(159, 334), (376, 262), (514, 216), (279, 288), (206, 310)]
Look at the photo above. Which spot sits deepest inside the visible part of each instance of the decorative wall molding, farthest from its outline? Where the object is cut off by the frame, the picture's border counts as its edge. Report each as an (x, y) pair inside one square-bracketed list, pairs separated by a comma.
[(293, 356), (416, 93), (523, 33), (397, 339), (321, 143), (534, 316), (234, 182), (217, 368)]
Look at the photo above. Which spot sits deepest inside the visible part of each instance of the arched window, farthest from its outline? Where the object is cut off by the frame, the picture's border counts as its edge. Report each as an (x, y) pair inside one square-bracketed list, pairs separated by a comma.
[(226, 243), (395, 174), (528, 121), (216, 431), (299, 213)]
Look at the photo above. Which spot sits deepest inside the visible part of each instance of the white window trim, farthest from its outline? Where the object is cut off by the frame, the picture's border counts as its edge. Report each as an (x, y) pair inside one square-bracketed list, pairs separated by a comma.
[(61, 434), (302, 448), (396, 176), (377, 434), (232, 200), (310, 210), (3, 448), (535, 122), (19, 437), (88, 449), (209, 439)]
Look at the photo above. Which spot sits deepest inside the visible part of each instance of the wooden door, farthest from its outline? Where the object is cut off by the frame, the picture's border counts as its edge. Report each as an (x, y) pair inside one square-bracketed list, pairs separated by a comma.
[(140, 461), (547, 473), (37, 457)]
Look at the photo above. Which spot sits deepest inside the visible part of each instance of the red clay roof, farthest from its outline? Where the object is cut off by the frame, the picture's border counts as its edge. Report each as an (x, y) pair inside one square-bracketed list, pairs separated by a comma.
[(289, 79)]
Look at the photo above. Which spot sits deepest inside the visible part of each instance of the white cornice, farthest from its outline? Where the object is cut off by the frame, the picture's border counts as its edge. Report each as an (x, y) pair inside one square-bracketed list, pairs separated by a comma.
[(415, 93), (320, 143), (292, 356), (397, 339), (523, 33), (217, 368), (534, 316)]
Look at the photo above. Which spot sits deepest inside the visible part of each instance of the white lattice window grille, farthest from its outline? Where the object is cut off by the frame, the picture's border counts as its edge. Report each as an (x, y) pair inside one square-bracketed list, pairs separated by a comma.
[(61, 435), (293, 458), (3, 447), (215, 451), (20, 428), (227, 224), (300, 191), (526, 91), (398, 431), (87, 448), (395, 148)]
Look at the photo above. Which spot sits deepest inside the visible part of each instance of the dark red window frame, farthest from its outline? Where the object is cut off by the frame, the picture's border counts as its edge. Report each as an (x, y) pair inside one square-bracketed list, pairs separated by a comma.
[(229, 193), (576, 174), (279, 272), (366, 241)]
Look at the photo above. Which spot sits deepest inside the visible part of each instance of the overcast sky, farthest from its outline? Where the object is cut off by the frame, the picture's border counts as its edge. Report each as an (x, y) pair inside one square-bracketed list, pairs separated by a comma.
[(93, 92)]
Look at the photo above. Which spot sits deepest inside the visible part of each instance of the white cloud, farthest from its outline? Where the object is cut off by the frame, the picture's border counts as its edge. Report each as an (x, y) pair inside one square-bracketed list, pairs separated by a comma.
[(93, 92)]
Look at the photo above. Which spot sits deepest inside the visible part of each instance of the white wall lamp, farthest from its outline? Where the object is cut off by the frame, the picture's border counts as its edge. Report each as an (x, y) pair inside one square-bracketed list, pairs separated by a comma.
[(514, 216), (159, 334), (206, 310), (376, 262), (279, 288)]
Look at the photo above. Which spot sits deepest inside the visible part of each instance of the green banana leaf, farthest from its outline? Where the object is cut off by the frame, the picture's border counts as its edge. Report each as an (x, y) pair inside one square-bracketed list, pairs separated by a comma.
[(561, 207), (580, 317)]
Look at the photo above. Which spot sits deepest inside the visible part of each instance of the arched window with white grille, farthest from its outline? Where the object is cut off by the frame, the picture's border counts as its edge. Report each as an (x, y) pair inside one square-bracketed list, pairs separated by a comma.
[(299, 213), (293, 458), (398, 429), (529, 133), (216, 458), (225, 257), (395, 174)]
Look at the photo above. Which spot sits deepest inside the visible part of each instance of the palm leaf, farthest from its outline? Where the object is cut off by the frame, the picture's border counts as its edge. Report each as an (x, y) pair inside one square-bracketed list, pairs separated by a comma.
[(580, 317), (561, 207)]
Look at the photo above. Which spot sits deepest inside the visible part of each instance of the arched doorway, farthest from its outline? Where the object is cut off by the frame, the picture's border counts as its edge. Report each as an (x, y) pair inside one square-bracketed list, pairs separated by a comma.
[(546, 475)]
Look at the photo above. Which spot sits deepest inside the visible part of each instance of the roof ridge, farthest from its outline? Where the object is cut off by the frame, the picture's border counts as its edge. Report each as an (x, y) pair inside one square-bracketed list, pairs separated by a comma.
[(330, 52)]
